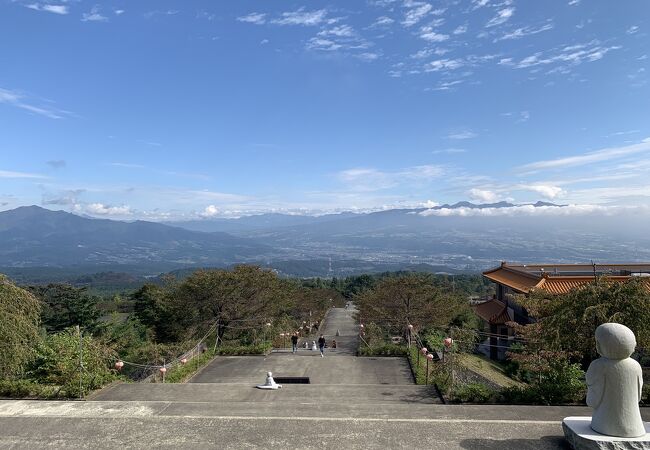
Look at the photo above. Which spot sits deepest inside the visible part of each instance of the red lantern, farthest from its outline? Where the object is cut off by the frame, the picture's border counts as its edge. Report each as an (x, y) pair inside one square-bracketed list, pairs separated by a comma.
[(268, 324), (163, 370), (424, 350), (410, 326), (184, 361), (361, 325), (448, 342), (430, 356), (119, 365)]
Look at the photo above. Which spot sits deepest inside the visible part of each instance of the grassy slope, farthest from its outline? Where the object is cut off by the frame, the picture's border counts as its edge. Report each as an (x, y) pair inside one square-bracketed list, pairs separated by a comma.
[(487, 369)]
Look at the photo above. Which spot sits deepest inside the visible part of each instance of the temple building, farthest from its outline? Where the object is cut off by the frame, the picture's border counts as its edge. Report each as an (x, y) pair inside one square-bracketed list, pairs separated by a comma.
[(521, 279)]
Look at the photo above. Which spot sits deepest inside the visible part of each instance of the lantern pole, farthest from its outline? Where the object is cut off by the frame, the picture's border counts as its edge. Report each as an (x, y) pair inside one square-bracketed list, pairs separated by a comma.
[(81, 362), (451, 361), (427, 377)]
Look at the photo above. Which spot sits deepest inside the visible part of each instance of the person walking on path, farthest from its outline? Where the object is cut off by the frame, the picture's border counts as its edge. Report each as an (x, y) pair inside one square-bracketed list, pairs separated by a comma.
[(321, 344), (294, 342)]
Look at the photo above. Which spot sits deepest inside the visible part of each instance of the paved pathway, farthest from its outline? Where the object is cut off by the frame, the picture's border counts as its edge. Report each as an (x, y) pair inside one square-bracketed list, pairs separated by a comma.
[(339, 366), (146, 424)]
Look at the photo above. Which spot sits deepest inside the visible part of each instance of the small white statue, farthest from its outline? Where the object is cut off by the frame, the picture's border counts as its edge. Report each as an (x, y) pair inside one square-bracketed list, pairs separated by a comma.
[(306, 345), (614, 384), (270, 383), (313, 346)]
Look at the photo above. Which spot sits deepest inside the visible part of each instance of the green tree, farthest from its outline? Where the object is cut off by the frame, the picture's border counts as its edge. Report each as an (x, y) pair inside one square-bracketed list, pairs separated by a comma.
[(151, 307), (409, 299), (65, 306), (568, 322), (244, 297), (57, 363), (19, 328)]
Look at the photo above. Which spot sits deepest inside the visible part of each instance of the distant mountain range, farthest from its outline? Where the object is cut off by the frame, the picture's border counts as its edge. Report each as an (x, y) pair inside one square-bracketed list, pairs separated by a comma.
[(34, 236), (442, 238)]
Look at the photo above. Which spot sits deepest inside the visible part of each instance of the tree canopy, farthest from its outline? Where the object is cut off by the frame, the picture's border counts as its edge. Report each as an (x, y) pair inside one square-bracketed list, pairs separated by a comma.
[(410, 299), (66, 306), (568, 322), (19, 328)]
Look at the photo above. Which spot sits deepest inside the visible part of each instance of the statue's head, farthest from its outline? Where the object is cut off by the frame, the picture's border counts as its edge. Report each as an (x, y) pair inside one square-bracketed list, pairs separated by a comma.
[(615, 341)]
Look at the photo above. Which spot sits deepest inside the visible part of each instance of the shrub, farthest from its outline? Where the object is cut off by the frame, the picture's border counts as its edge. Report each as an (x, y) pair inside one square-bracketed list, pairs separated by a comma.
[(27, 389), (258, 349), (645, 395), (57, 363), (383, 350), (180, 373), (562, 387), (473, 393)]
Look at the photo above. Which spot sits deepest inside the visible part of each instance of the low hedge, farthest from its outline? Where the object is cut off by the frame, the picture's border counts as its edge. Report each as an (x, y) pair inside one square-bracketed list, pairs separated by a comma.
[(29, 389), (384, 350), (259, 349), (473, 393)]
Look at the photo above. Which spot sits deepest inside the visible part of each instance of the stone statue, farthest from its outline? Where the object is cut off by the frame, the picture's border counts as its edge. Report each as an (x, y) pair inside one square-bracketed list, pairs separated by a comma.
[(614, 384), (270, 383)]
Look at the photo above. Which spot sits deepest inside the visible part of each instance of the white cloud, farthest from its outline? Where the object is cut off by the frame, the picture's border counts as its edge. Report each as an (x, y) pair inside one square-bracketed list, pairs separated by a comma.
[(502, 17), (369, 179), (210, 211), (571, 55), (382, 21), (447, 85), (101, 209), (94, 15), (428, 204), (368, 56), (444, 64), (55, 9), (449, 151), (169, 12), (254, 18), (302, 17), (12, 174), (633, 29), (429, 35), (590, 157), (460, 29), (323, 44), (483, 195), (523, 32), (338, 31), (466, 134), (416, 14), (523, 210), (20, 100), (547, 191), (119, 12)]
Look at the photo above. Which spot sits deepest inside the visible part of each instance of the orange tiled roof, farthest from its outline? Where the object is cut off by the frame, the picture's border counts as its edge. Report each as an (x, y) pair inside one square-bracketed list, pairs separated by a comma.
[(493, 311), (561, 278), (562, 285), (519, 281)]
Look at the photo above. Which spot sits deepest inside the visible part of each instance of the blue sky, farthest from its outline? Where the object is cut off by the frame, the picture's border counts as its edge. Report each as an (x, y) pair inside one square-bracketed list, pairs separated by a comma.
[(173, 110)]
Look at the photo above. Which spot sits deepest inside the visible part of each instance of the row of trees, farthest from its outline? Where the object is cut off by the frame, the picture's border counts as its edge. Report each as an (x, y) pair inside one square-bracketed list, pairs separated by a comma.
[(239, 301)]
